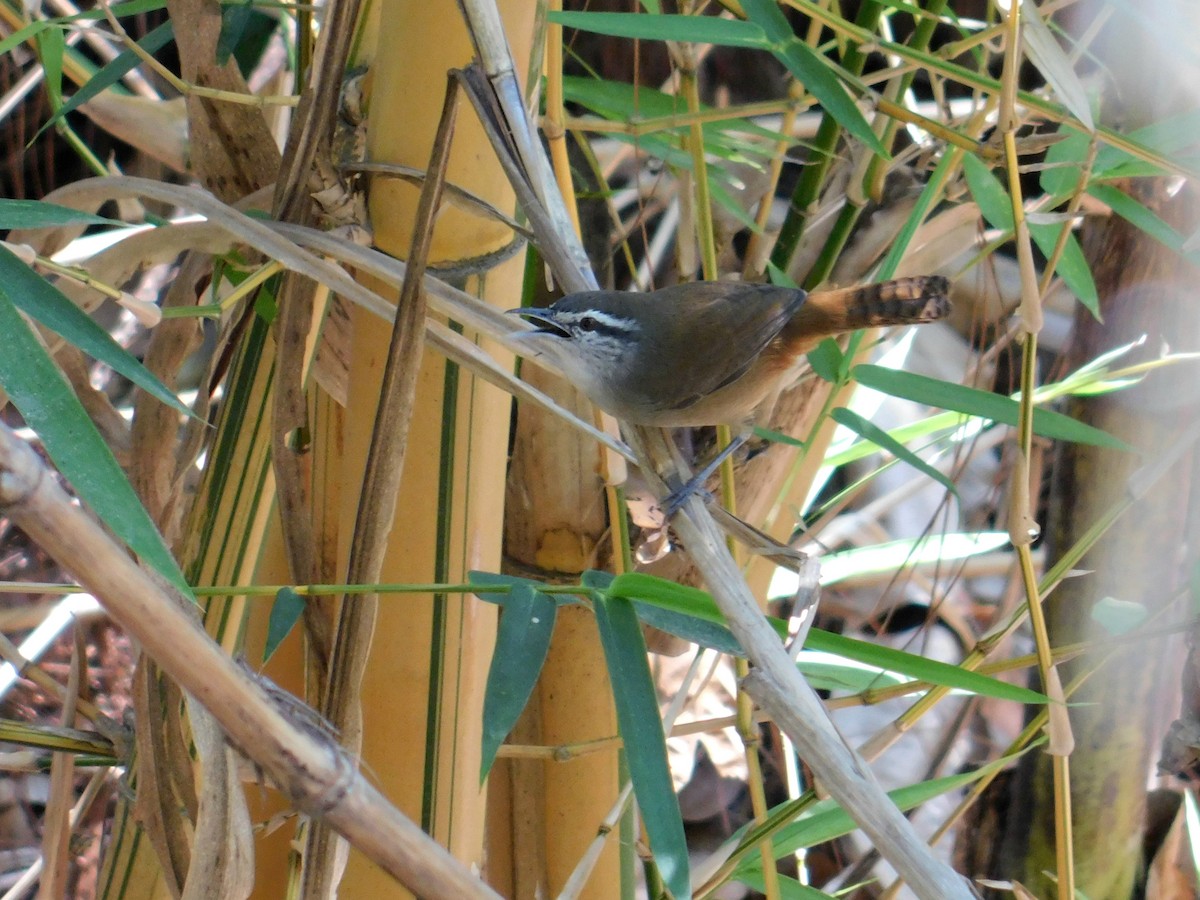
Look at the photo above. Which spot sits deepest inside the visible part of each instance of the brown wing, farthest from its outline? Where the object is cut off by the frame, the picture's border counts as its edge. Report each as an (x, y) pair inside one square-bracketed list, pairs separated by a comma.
[(737, 322)]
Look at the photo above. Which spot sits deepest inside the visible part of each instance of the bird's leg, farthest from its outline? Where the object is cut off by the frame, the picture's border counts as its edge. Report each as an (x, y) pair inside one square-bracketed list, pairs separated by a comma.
[(671, 503)]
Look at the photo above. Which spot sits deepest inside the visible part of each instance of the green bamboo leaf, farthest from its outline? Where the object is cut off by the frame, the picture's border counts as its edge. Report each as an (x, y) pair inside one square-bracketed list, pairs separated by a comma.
[(624, 102), (826, 672), (114, 71), (767, 15), (996, 207), (687, 601), (826, 360), (1072, 266), (690, 628), (640, 725), (49, 406), (120, 10), (731, 205), (886, 442), (984, 404), (522, 642), (1064, 160), (693, 29), (1141, 217), (285, 613), (39, 299), (52, 44), (919, 668), (825, 820), (816, 73), (39, 214), (891, 556), (812, 69), (235, 19), (695, 603), (29, 32), (789, 888)]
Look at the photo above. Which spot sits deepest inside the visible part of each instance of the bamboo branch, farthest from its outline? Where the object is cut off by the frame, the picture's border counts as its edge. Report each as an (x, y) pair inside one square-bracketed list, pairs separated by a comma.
[(300, 759)]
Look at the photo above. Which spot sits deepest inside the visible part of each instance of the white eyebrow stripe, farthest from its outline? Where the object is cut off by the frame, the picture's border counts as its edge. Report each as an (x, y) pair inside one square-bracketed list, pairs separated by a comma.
[(606, 322)]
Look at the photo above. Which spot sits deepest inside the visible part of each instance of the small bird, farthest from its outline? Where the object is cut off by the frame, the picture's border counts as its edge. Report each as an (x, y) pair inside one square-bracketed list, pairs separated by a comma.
[(710, 353)]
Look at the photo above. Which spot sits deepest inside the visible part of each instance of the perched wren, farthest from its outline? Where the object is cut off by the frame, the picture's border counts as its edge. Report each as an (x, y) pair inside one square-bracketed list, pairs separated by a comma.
[(710, 353)]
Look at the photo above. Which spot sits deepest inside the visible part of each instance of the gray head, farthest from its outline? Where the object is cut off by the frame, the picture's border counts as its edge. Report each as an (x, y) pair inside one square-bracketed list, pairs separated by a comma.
[(593, 338)]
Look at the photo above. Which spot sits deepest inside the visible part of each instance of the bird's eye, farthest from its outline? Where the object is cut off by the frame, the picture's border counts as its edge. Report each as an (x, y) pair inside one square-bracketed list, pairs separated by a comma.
[(587, 323)]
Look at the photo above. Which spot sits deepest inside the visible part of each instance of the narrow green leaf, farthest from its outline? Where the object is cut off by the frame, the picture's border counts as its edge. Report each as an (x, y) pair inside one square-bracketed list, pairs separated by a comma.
[(1072, 266), (918, 668), (813, 70), (826, 360), (789, 888), (690, 628), (38, 298), (120, 10), (640, 723), (988, 192), (816, 73), (996, 207), (825, 820), (1064, 160), (21, 35), (39, 214), (522, 642), (778, 437), (596, 579), (890, 556), (114, 71), (1141, 217), (728, 203), (285, 613), (666, 594), (693, 29), (52, 44), (767, 15), (827, 672), (624, 102), (984, 404), (235, 17), (886, 442), (49, 406)]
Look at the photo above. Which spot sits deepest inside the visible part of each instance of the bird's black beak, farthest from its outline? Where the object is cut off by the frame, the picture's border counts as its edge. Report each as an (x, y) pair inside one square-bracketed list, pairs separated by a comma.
[(546, 320)]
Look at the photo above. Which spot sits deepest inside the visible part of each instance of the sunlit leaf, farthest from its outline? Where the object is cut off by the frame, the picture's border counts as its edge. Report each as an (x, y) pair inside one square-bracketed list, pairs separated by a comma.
[(984, 404), (886, 442), (919, 668)]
